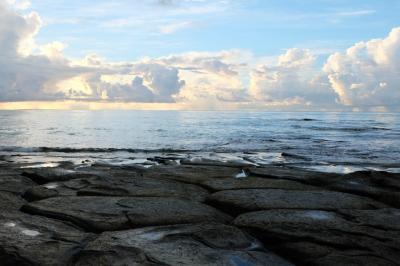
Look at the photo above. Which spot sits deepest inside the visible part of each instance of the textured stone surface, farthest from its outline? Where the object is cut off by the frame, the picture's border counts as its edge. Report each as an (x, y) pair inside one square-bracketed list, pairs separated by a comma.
[(124, 186), (34, 240), (205, 244), (118, 213), (243, 200)]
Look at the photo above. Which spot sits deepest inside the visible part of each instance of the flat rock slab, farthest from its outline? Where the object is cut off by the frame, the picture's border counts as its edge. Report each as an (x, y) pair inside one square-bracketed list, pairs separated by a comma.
[(244, 200), (118, 213), (12, 182), (10, 202), (312, 177), (191, 174), (123, 186), (201, 244), (45, 175), (34, 240), (350, 232), (381, 186), (255, 182)]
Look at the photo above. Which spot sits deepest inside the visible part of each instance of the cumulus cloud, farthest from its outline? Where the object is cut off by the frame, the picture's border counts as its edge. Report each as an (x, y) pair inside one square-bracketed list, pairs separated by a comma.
[(367, 74), (293, 78), (364, 76), (24, 76)]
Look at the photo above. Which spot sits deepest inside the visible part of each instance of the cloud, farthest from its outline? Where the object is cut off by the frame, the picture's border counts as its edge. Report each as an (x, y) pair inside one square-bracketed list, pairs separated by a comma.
[(367, 74), (24, 76), (294, 78), (176, 26)]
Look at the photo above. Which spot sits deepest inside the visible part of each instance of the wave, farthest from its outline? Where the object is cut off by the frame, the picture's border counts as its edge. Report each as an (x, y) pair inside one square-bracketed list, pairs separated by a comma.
[(349, 129), (88, 150)]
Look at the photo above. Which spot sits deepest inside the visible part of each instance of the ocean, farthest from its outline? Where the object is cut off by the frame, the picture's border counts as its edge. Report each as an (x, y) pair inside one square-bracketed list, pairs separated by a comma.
[(324, 141)]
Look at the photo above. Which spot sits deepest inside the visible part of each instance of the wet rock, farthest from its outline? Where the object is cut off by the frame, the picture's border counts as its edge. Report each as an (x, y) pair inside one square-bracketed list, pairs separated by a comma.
[(292, 173), (12, 182), (385, 219), (33, 240), (201, 244), (308, 253), (209, 162), (190, 173), (118, 213), (123, 186), (344, 235), (244, 200), (52, 174), (381, 186), (10, 202), (255, 182)]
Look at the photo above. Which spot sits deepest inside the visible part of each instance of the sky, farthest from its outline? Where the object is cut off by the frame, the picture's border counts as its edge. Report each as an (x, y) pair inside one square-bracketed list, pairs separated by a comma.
[(321, 55)]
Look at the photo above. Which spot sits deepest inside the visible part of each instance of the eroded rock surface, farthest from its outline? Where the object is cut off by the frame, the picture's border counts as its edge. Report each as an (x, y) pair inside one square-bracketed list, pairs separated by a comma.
[(35, 240), (347, 235), (201, 244), (118, 213), (244, 200), (126, 186), (199, 213)]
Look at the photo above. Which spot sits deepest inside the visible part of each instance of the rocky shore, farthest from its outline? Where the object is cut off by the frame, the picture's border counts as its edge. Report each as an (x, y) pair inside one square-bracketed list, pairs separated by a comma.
[(196, 213)]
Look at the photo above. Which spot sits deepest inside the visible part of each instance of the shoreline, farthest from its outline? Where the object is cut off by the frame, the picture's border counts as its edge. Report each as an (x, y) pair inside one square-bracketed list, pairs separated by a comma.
[(197, 212)]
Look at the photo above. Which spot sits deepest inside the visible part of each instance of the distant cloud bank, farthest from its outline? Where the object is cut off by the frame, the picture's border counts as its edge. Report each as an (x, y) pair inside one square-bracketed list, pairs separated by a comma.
[(364, 77)]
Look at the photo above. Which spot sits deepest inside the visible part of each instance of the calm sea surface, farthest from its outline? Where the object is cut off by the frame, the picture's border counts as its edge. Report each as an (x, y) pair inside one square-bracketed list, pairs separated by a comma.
[(324, 141)]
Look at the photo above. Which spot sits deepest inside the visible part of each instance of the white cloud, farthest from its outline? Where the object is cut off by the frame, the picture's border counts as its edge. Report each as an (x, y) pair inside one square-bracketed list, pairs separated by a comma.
[(176, 26), (364, 76), (368, 73), (294, 78)]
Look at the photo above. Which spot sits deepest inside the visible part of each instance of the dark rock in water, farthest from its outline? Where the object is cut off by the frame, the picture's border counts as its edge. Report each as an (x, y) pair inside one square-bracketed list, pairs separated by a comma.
[(190, 173), (347, 236), (34, 240), (52, 174), (201, 244), (243, 200), (295, 156), (123, 186), (255, 182), (10, 202), (12, 182), (118, 213)]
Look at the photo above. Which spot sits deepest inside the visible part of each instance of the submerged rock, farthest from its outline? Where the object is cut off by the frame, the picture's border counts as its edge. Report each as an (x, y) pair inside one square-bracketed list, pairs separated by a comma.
[(244, 200), (201, 244), (118, 213), (34, 240)]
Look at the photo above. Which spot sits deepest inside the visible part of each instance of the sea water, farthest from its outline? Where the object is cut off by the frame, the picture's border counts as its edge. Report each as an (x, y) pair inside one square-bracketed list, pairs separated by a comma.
[(326, 141)]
